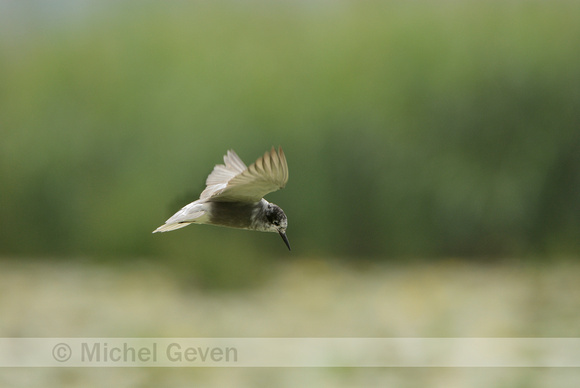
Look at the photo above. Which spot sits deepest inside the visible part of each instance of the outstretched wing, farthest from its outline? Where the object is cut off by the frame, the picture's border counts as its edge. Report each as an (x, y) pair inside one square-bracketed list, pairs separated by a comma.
[(218, 180), (234, 182)]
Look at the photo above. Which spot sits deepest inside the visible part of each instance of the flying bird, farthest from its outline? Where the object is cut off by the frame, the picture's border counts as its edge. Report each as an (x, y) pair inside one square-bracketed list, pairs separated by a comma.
[(234, 196)]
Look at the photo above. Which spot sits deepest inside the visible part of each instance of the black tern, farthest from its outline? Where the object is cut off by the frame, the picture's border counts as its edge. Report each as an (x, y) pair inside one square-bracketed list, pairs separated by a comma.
[(234, 196)]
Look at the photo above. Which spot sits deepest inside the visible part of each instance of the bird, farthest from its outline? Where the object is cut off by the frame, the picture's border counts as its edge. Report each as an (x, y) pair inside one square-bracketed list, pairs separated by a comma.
[(233, 196)]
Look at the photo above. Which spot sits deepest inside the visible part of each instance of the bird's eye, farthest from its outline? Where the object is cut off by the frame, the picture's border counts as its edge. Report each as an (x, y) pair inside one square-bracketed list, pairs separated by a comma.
[(277, 223)]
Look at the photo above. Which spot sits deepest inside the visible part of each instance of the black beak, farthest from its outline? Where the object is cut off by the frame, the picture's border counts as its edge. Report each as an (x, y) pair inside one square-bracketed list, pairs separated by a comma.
[(283, 235)]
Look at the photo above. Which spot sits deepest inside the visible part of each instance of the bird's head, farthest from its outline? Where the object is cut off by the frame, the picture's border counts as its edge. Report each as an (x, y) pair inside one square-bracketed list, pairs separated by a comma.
[(276, 221)]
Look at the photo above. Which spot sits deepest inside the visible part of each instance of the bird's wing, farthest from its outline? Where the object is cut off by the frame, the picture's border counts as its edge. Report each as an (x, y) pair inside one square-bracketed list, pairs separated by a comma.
[(222, 174), (231, 183)]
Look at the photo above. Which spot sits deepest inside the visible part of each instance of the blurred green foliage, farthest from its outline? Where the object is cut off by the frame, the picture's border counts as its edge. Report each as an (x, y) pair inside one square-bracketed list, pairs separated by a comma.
[(411, 129)]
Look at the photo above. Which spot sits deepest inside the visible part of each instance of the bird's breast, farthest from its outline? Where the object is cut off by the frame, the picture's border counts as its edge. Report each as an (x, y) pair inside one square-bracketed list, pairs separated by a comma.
[(234, 214)]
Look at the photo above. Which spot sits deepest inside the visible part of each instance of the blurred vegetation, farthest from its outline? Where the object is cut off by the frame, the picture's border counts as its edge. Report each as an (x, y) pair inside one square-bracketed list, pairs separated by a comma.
[(411, 129)]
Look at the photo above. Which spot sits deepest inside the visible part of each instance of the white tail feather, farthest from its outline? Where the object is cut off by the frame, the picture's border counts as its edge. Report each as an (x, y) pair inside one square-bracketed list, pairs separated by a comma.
[(170, 227)]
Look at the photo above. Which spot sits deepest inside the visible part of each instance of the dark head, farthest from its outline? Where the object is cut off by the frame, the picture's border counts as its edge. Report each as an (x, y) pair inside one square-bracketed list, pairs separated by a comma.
[(276, 221)]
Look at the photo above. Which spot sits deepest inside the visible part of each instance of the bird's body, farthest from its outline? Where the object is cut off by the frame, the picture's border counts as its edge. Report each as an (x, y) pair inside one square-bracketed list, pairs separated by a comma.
[(233, 196)]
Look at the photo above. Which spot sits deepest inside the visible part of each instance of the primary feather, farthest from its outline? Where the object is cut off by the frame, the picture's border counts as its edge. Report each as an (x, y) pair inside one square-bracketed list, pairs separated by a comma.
[(232, 183)]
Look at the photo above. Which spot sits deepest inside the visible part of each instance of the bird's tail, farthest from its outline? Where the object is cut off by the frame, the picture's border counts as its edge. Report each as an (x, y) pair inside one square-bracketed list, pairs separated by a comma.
[(170, 227)]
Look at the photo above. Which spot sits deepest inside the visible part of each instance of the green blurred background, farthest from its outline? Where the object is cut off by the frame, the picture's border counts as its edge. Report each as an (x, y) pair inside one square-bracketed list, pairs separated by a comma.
[(434, 155), (411, 129)]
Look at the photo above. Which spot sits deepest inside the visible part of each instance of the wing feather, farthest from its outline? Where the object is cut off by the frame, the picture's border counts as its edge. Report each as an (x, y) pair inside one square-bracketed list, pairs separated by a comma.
[(269, 173), (222, 174)]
